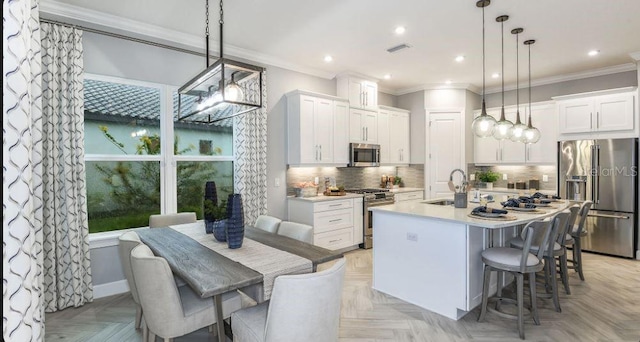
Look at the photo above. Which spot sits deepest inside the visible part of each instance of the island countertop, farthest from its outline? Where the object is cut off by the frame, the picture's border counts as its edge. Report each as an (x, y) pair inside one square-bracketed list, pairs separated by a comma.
[(460, 215)]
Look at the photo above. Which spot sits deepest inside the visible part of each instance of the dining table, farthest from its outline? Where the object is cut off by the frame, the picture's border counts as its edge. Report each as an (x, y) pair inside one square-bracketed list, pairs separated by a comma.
[(211, 269)]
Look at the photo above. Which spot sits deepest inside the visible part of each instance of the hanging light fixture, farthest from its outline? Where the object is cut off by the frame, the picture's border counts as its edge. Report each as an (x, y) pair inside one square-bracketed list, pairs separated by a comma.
[(503, 126), (483, 125), (223, 90), (517, 131), (531, 134)]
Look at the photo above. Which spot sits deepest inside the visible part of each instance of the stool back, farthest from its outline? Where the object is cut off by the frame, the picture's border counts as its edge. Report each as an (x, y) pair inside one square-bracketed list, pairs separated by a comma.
[(535, 233), (558, 228), (573, 213), (584, 211)]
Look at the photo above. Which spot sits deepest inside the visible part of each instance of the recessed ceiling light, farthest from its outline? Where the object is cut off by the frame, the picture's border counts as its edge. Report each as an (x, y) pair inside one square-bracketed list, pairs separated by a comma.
[(594, 53), (495, 75), (328, 58), (447, 81), (400, 30), (387, 76), (459, 58)]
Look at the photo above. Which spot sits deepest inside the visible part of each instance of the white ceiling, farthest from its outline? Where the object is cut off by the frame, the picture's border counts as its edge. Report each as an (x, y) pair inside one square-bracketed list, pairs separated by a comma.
[(357, 33)]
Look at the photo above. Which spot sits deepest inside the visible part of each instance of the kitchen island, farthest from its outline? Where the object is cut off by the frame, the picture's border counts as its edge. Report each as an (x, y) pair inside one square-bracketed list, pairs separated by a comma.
[(429, 255)]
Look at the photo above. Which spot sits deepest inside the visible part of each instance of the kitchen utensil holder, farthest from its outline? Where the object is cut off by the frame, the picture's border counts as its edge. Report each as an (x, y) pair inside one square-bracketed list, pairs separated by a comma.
[(460, 200)]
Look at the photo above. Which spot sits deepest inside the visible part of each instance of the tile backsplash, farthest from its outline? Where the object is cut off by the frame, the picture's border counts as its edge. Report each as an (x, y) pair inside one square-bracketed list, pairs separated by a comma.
[(355, 177), (524, 173)]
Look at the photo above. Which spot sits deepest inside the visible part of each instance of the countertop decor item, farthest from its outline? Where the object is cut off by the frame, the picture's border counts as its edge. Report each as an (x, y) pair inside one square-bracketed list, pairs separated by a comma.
[(521, 184), (235, 221), (460, 191), (483, 125), (486, 179), (503, 126), (306, 189), (223, 90), (531, 134)]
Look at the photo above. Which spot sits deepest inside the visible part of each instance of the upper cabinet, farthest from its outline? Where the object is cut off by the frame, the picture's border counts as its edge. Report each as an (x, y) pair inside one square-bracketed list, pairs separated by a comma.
[(361, 93), (317, 129), (611, 112), (393, 136), (363, 126)]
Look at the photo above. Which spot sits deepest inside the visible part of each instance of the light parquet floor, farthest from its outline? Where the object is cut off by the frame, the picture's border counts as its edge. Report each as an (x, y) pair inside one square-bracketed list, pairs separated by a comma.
[(605, 307)]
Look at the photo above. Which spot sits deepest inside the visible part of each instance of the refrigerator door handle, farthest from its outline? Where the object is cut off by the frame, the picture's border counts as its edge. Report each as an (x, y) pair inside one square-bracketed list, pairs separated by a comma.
[(592, 173), (597, 176), (621, 217)]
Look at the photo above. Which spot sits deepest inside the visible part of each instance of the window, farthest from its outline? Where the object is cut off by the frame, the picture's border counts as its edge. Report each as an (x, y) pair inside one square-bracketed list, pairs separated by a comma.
[(140, 161)]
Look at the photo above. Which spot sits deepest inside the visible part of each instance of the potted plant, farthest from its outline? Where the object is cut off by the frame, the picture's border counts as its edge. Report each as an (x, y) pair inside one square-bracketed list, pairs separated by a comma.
[(486, 179), (215, 217), (398, 181)]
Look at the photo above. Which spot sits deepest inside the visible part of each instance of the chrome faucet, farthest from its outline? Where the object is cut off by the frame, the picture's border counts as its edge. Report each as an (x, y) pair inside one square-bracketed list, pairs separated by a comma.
[(464, 178)]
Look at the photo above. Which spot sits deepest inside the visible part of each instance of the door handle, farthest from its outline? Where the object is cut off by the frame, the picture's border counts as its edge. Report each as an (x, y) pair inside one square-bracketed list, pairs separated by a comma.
[(366, 130), (597, 120), (363, 138), (622, 217), (597, 171), (320, 152), (591, 120), (497, 154)]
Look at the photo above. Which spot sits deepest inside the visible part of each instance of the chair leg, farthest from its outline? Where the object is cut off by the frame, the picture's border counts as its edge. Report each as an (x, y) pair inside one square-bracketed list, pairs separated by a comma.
[(138, 316), (554, 283), (564, 272), (520, 295), (168, 339), (500, 280), (485, 292), (532, 295), (152, 336), (578, 257)]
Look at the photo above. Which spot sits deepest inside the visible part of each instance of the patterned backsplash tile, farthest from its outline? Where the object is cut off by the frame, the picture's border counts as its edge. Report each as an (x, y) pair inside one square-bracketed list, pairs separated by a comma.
[(516, 173)]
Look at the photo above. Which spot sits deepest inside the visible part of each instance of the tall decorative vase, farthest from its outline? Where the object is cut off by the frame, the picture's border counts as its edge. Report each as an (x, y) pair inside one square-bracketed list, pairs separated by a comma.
[(235, 221), (217, 227)]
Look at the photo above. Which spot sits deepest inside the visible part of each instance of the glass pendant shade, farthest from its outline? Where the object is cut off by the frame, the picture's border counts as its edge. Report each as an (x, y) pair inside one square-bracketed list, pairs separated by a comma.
[(516, 133), (531, 134), (502, 129), (483, 125)]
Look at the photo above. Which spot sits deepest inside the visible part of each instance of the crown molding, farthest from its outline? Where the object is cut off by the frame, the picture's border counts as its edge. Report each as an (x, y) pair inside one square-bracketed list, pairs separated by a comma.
[(570, 77), (437, 86), (635, 56), (76, 15)]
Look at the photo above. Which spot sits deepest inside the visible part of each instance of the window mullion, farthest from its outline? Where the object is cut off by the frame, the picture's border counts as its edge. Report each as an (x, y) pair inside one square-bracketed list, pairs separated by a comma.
[(168, 169)]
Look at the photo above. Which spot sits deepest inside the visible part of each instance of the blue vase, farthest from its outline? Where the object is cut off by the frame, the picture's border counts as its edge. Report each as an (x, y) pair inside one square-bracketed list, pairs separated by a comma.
[(219, 229), (235, 221), (211, 195)]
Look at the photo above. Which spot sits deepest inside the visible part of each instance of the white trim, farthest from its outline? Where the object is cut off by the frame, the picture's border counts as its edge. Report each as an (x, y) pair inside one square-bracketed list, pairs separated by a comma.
[(396, 109), (314, 94), (570, 77), (349, 74), (109, 238), (107, 22), (636, 57), (122, 157), (110, 289), (182, 158), (595, 93), (433, 86)]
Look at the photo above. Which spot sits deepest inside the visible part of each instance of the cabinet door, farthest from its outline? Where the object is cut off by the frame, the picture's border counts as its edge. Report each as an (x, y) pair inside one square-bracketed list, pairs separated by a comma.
[(383, 137), (509, 151), (575, 116), (370, 97), (371, 127), (341, 132), (323, 130), (545, 150), (356, 94), (614, 112), (405, 141), (486, 150), (356, 125), (309, 152)]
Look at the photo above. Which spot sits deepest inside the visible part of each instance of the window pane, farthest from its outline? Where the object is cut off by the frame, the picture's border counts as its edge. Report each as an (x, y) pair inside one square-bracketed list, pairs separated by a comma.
[(196, 139), (192, 177), (121, 118), (122, 194)]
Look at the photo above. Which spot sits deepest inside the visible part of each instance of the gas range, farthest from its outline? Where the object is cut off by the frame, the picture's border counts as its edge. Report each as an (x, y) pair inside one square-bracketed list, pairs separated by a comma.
[(374, 195)]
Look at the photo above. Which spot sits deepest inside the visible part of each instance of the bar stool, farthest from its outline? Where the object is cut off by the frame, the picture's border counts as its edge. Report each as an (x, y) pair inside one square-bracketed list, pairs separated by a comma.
[(517, 262), (575, 239), (562, 240)]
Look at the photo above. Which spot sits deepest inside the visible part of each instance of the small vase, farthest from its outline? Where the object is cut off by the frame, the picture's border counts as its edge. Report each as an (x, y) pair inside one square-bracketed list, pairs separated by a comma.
[(235, 221), (219, 229)]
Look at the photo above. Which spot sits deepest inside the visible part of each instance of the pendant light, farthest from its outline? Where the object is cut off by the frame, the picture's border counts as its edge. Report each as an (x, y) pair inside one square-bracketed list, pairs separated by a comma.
[(223, 90), (531, 134), (503, 126), (483, 125), (517, 131)]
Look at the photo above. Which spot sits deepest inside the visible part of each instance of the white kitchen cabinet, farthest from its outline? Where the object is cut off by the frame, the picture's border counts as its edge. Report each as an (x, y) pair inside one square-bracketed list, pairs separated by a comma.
[(317, 129), (417, 195), (491, 151), (597, 113), (383, 136), (336, 223), (360, 92), (394, 136), (545, 150), (363, 126)]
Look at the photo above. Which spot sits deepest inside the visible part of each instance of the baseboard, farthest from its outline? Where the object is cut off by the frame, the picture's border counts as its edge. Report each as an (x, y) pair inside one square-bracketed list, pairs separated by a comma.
[(110, 289)]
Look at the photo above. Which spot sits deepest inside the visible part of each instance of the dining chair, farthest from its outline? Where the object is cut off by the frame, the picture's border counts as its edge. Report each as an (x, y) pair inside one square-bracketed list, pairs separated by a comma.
[(303, 307), (517, 261), (296, 231), (268, 223), (165, 220), (575, 239), (126, 243), (171, 311)]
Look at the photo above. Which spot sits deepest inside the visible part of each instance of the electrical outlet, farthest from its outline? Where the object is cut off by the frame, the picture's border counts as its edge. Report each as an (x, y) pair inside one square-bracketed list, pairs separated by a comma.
[(545, 178), (472, 176), (276, 182), (412, 236), (504, 176)]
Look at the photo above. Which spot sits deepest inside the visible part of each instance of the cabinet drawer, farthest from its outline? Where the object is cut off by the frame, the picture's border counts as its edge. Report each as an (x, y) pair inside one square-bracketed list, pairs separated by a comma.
[(332, 220), (408, 196), (332, 205), (334, 240)]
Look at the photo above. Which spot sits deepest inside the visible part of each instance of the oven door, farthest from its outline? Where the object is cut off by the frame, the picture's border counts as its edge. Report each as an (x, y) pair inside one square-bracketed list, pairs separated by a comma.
[(364, 155)]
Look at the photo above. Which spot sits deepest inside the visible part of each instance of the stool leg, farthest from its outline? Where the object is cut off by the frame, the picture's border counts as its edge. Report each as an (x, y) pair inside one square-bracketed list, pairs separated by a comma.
[(485, 292), (520, 295), (554, 283), (578, 253), (532, 294), (564, 273), (500, 280)]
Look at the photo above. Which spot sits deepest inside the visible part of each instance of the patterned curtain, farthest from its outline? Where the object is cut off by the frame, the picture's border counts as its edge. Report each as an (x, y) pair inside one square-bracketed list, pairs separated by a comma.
[(250, 165), (67, 272), (22, 294)]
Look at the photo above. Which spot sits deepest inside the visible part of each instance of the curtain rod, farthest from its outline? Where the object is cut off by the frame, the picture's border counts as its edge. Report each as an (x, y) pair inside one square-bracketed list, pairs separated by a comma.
[(120, 36)]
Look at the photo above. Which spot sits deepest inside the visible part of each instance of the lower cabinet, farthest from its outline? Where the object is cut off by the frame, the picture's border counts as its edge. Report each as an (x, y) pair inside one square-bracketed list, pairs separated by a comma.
[(417, 195), (336, 223)]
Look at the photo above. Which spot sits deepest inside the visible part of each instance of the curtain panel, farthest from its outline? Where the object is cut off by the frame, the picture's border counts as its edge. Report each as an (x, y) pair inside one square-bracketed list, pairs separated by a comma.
[(22, 292), (250, 165), (67, 270)]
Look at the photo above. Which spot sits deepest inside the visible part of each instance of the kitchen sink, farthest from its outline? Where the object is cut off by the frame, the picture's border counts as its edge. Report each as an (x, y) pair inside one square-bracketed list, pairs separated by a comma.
[(440, 202)]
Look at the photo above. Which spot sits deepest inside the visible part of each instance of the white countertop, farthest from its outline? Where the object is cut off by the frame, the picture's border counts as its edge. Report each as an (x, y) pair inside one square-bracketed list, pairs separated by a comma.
[(400, 190), (321, 198), (514, 191), (459, 215)]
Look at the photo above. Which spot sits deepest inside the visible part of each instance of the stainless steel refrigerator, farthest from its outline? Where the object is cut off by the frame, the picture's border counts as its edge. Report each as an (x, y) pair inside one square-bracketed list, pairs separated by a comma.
[(604, 171)]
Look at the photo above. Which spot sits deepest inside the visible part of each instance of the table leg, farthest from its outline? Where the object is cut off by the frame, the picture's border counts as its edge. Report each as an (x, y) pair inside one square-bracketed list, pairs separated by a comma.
[(218, 301)]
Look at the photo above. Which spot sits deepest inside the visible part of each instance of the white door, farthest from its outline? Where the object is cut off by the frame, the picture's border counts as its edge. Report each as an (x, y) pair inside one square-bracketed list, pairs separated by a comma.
[(356, 125), (445, 152), (341, 132), (576, 116), (383, 137), (370, 94), (324, 130), (356, 94), (371, 127), (309, 152)]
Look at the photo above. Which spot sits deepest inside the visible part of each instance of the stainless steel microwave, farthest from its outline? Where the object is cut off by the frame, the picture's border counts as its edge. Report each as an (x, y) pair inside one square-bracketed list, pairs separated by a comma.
[(364, 155)]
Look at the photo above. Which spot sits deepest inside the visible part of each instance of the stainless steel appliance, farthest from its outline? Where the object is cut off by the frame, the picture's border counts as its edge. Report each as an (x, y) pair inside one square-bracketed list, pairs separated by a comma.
[(604, 171), (364, 155), (372, 198)]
